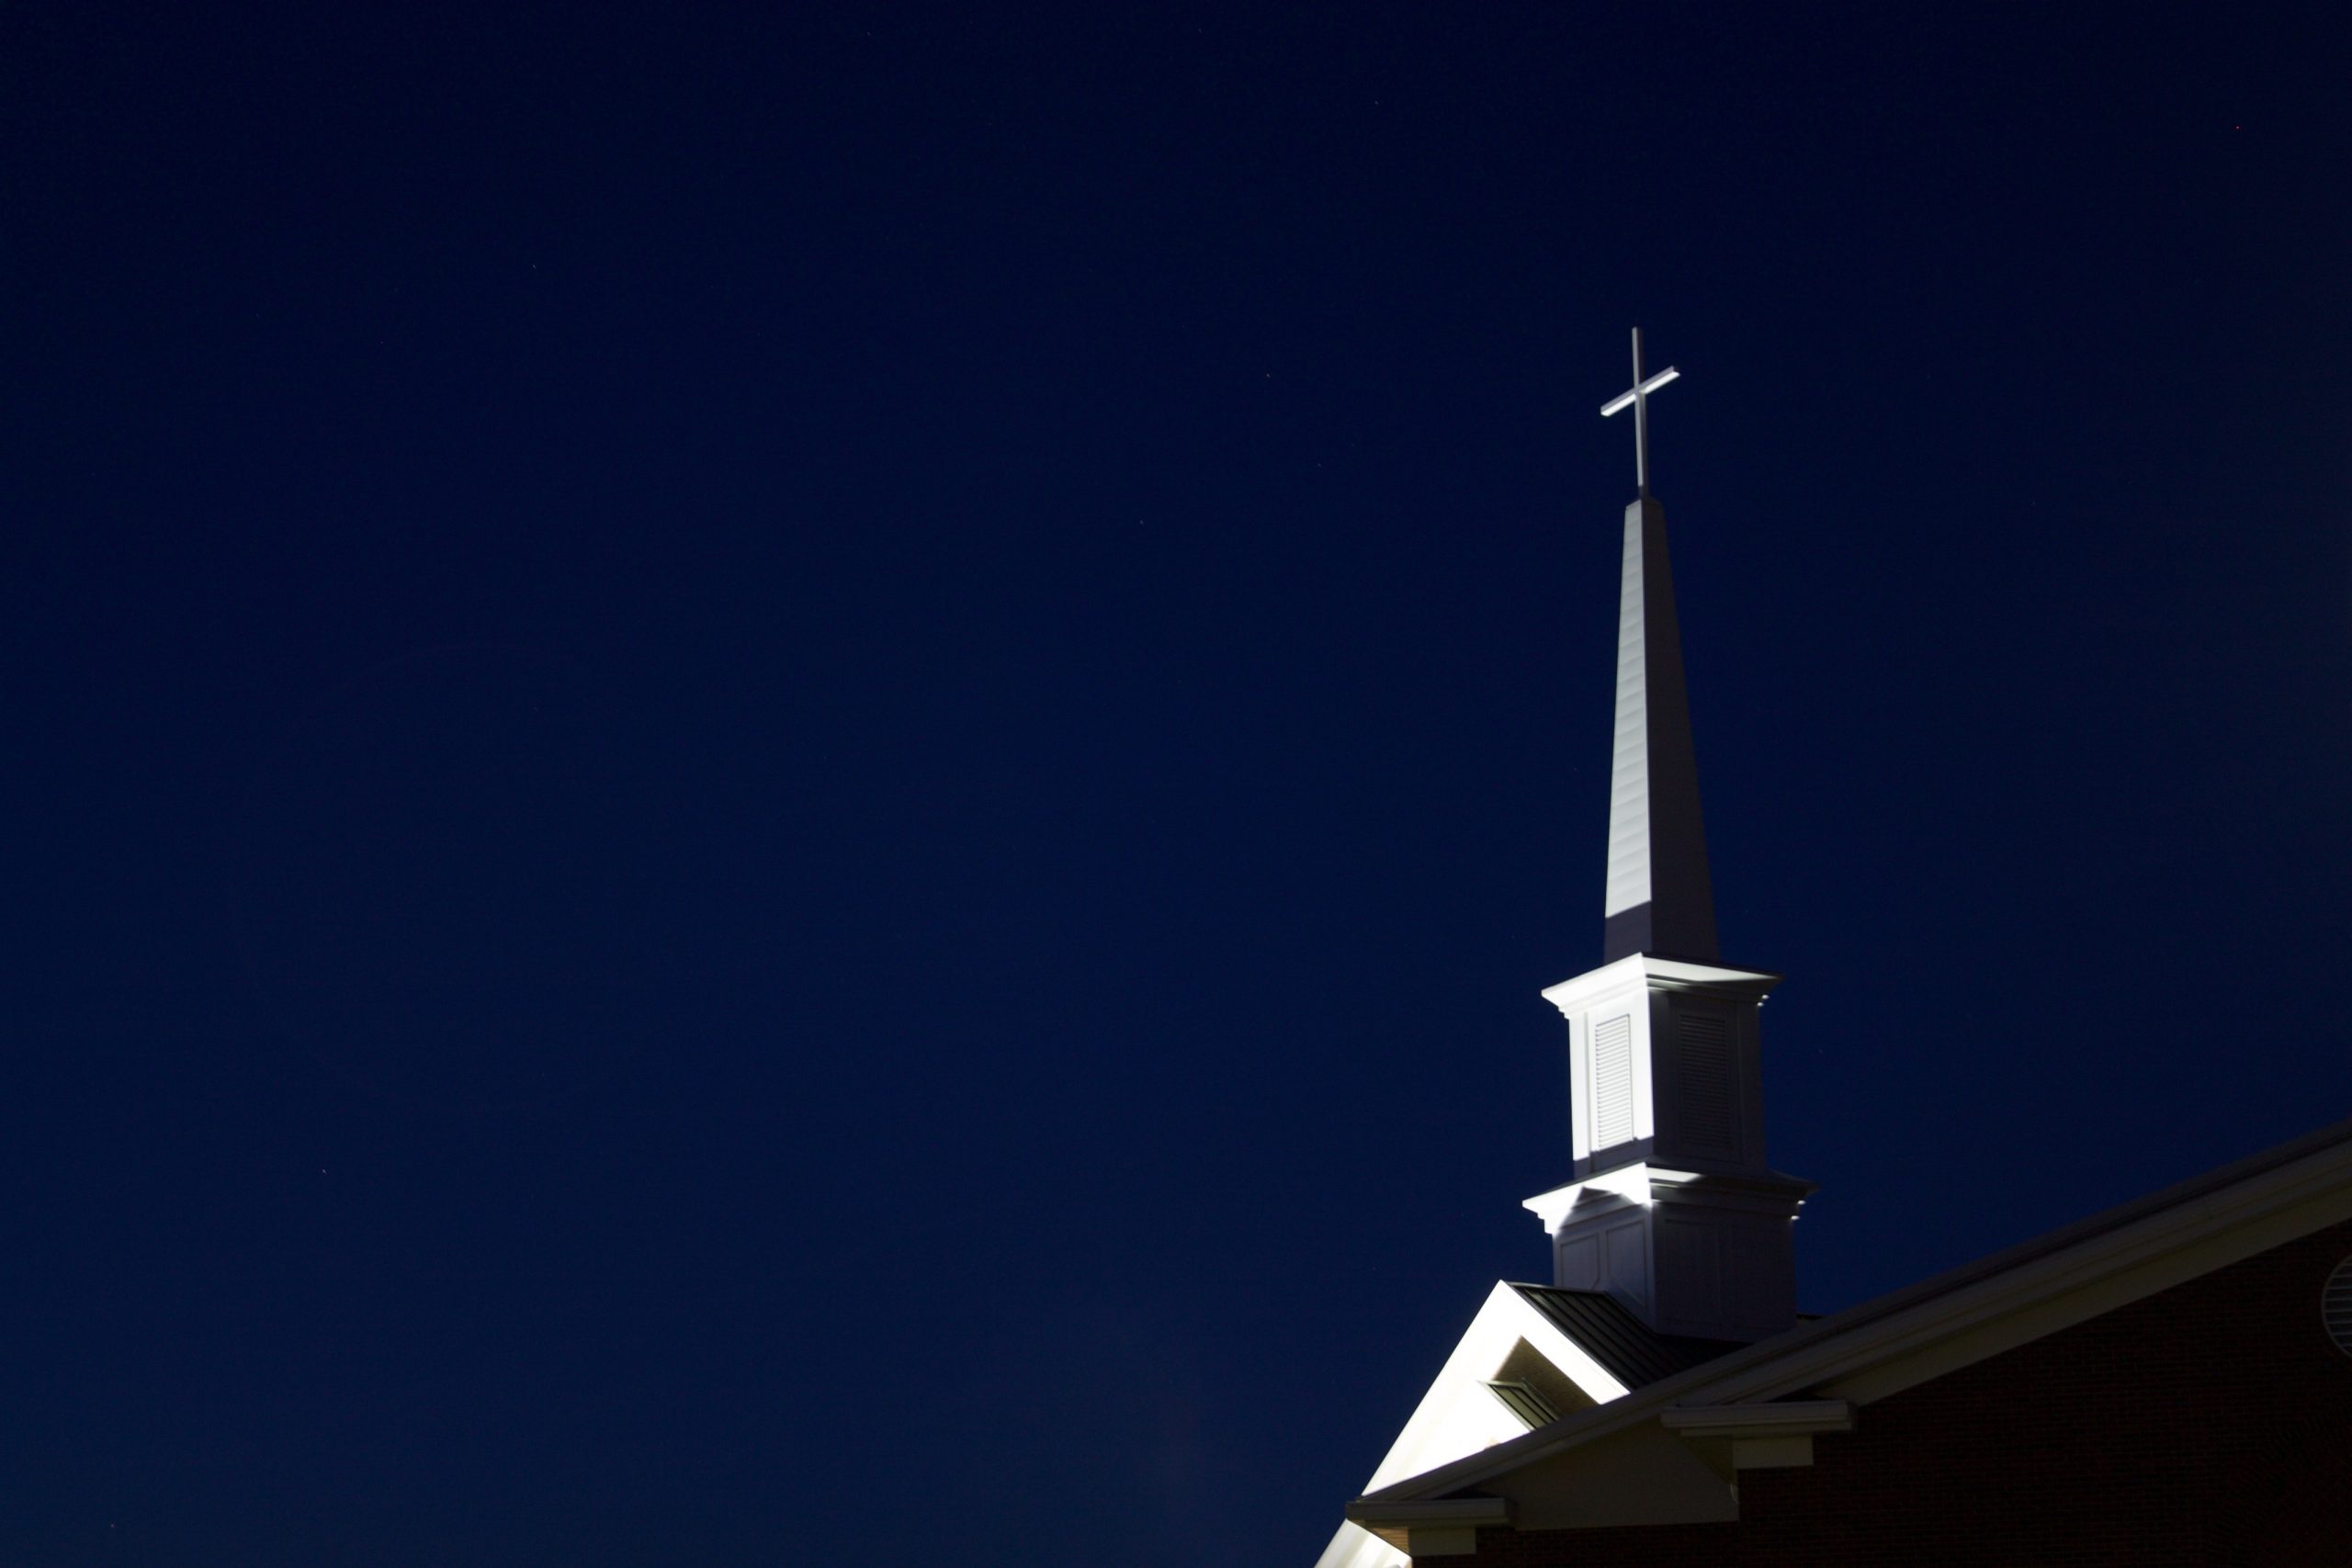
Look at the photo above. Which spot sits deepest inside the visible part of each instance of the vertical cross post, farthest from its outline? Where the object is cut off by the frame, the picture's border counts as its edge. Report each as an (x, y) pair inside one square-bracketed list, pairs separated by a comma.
[(1638, 395)]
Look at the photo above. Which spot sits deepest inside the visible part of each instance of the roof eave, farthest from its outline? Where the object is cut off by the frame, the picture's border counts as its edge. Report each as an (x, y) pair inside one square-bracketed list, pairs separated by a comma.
[(2276, 1181)]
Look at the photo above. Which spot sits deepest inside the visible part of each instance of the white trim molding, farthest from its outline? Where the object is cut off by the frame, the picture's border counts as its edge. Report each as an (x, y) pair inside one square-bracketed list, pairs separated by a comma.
[(1778, 1436), (1445, 1526)]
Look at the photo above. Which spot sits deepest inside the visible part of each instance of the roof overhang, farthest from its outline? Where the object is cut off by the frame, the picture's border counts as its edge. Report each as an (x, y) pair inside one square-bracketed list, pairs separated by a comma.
[(1443, 1527), (1820, 1371)]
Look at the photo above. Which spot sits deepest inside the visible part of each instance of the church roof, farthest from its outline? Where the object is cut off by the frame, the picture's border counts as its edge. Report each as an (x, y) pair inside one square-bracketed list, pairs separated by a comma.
[(1815, 1376), (1634, 1354), (1562, 1408)]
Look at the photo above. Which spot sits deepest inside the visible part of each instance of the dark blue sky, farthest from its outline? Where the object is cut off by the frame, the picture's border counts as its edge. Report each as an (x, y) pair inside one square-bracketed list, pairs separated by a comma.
[(793, 786)]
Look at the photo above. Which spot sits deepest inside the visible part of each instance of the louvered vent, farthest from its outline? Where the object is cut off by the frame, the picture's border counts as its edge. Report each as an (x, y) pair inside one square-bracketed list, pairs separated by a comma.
[(1707, 1118), (2335, 1306), (1521, 1400), (1613, 1081)]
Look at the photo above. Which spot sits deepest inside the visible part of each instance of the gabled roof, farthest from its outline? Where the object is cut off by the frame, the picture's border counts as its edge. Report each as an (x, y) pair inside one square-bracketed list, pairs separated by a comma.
[(1811, 1378), (1634, 1354), (1598, 1348)]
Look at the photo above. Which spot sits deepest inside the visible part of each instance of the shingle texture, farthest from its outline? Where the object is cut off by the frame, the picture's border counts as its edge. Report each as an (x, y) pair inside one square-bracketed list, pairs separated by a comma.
[(1631, 1350)]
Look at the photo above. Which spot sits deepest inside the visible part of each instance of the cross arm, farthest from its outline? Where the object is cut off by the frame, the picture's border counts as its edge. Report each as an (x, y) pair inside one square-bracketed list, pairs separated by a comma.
[(1625, 399)]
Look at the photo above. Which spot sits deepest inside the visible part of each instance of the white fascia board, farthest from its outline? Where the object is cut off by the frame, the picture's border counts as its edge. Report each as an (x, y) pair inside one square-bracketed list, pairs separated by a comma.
[(1783, 1418), (1641, 1182), (1625, 975), (1637, 1182), (1445, 1510), (2204, 1223), (1641, 971), (1439, 1526)]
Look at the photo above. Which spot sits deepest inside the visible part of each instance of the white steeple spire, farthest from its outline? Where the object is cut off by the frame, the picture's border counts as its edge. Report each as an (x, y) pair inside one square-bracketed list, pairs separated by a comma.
[(1659, 898), (1673, 1210)]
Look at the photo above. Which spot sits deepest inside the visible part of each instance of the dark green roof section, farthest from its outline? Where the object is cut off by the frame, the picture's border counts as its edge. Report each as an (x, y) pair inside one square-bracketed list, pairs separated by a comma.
[(1523, 1400), (1632, 1351)]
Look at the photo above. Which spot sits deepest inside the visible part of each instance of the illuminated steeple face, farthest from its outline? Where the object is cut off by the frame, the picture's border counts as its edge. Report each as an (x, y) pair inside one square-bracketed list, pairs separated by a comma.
[(1658, 899), (1673, 1208)]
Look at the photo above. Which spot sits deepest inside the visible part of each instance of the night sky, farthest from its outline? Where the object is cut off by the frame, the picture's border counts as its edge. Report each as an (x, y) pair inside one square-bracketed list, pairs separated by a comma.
[(789, 784)]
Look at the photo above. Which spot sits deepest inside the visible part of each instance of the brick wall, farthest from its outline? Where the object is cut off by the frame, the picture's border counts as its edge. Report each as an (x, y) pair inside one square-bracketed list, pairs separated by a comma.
[(2210, 1425)]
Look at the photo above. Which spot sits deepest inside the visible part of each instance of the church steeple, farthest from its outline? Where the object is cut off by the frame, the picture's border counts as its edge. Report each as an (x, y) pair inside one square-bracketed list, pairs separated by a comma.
[(1658, 898), (1674, 1210)]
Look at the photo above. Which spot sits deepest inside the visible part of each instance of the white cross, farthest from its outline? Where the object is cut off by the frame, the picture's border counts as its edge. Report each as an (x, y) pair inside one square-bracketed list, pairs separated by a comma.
[(1639, 397)]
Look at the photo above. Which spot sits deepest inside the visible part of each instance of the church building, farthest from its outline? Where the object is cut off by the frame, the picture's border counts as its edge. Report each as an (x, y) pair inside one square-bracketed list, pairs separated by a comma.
[(2167, 1383)]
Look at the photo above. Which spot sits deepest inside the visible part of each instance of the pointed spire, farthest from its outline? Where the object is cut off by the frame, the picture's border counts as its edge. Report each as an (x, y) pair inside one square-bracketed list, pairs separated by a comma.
[(1659, 898), (1674, 1210)]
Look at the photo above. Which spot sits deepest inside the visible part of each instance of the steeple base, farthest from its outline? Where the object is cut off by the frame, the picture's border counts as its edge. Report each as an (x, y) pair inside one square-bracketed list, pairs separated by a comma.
[(1708, 1257)]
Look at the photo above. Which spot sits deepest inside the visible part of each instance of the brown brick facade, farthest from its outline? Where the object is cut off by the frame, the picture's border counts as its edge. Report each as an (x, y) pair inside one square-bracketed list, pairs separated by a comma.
[(2209, 1425)]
